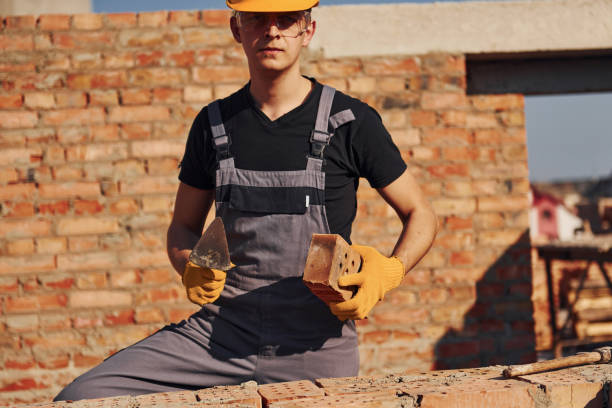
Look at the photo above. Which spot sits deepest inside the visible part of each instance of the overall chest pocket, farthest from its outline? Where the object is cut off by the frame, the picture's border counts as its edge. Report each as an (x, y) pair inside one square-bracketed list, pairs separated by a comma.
[(267, 200)]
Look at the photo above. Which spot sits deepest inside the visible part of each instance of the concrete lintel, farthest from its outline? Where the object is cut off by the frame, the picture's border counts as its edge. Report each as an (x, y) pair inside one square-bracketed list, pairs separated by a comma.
[(543, 75), (466, 27)]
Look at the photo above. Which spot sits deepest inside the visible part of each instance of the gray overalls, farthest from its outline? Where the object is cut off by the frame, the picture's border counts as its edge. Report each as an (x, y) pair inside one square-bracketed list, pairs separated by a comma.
[(266, 326)]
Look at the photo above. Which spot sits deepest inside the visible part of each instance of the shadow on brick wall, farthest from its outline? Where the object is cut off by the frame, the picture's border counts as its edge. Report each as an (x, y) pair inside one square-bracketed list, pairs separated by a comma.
[(499, 327)]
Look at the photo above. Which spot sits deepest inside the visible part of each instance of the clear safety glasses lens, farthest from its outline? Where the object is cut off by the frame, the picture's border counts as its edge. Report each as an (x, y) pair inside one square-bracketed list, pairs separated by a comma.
[(288, 24)]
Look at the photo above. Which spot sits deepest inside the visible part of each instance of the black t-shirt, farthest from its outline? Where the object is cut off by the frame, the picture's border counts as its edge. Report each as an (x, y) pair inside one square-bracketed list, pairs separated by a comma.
[(361, 148)]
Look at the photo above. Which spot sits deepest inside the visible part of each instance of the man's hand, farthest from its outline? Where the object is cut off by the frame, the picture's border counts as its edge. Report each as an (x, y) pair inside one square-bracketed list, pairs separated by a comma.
[(203, 285), (377, 276)]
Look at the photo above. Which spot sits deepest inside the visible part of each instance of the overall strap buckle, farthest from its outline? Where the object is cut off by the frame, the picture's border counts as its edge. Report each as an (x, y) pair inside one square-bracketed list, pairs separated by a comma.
[(221, 139), (320, 137), (318, 142)]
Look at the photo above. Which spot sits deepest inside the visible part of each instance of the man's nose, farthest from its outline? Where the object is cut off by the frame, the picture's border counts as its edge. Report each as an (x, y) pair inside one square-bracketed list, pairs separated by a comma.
[(271, 22)]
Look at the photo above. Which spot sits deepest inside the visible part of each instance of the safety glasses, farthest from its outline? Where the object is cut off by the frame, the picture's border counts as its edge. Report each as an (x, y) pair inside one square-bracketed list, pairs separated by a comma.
[(288, 24)]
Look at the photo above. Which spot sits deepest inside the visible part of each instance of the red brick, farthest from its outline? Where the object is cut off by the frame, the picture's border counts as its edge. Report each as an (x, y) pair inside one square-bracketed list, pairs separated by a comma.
[(95, 299), (508, 203), (97, 152), (15, 67), (20, 209), (85, 360), (69, 190), (216, 18), (110, 79), (135, 96), (142, 258), (86, 261), (54, 22), (19, 362), (24, 228), (54, 340), (82, 40), (149, 315), (87, 207), (149, 185), (391, 66), (103, 98), (119, 318), (481, 120), (71, 99), (86, 225), (448, 136), (423, 118), (458, 188), (135, 131), (153, 19), (400, 316), (14, 120), (449, 170), (35, 303), (11, 101), (52, 208), (87, 21), (121, 20), (217, 74), (158, 148), (138, 114), (159, 76), (433, 295), (435, 100), (21, 384), (461, 258), (17, 191), (179, 314), (149, 38), (170, 96), (73, 116), (16, 42), (105, 133), (454, 206), (119, 60), (458, 275), (20, 22), (458, 223), (184, 18), (498, 102), (288, 391)]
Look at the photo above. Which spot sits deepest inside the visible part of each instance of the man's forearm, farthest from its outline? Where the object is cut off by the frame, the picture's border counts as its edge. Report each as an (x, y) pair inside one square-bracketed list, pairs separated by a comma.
[(418, 232), (180, 241)]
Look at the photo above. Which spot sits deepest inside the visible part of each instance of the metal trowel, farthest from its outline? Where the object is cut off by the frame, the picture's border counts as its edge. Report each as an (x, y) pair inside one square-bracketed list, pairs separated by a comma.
[(211, 250)]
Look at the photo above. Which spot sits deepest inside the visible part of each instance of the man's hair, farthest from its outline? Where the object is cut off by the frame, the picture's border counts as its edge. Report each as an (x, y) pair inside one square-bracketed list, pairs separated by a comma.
[(306, 13)]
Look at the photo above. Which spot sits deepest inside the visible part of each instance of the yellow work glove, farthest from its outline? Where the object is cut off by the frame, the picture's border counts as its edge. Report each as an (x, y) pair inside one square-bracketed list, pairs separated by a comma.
[(203, 285), (377, 276)]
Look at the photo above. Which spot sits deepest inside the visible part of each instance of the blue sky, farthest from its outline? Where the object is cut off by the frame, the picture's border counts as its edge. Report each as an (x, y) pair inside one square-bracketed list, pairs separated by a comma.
[(568, 136)]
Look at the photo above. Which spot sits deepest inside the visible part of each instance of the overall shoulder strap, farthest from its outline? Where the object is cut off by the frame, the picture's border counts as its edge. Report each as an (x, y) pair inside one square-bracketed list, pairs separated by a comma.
[(221, 140), (321, 135)]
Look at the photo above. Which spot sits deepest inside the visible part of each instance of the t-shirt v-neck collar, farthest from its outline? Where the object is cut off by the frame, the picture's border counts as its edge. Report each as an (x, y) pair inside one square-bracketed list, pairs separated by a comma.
[(265, 120)]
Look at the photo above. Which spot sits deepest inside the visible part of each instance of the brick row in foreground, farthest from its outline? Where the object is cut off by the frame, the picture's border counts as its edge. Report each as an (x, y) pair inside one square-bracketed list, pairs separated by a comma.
[(578, 387)]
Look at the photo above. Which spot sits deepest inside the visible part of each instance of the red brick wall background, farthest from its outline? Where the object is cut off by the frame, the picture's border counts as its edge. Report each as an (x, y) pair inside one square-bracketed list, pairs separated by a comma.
[(94, 113)]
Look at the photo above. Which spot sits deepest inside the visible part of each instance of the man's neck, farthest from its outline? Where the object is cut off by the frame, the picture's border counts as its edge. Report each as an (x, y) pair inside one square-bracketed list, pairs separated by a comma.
[(276, 95)]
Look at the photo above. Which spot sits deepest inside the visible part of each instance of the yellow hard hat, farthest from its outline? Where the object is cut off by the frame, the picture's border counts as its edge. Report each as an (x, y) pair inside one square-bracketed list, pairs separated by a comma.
[(271, 6)]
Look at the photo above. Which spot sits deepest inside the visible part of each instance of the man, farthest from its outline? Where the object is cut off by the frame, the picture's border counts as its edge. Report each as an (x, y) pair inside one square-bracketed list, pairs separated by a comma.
[(281, 159)]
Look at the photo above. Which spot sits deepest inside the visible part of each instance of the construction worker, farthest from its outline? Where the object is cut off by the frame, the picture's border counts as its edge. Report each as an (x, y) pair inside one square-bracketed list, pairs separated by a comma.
[(281, 159)]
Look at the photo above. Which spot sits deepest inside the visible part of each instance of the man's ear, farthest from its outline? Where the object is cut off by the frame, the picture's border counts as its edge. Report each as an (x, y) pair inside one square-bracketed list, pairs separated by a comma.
[(309, 33), (235, 29)]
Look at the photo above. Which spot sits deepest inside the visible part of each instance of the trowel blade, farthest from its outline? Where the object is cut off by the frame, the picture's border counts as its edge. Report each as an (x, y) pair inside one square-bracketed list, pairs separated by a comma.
[(211, 250)]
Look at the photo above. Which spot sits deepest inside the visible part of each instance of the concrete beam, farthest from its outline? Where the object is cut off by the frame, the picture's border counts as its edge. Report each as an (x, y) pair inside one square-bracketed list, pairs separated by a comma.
[(38, 7), (466, 27), (541, 75)]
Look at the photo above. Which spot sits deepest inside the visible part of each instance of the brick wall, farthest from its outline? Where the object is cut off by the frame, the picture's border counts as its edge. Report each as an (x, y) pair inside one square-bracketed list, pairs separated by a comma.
[(94, 112)]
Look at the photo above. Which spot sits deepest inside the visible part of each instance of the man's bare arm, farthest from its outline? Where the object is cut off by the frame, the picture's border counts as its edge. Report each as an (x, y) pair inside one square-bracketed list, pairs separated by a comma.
[(420, 223), (190, 210)]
